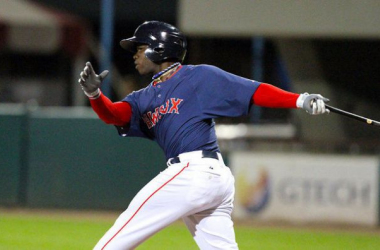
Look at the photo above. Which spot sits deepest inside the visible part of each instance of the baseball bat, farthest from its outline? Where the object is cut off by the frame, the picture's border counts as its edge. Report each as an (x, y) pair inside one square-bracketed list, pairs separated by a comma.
[(353, 116)]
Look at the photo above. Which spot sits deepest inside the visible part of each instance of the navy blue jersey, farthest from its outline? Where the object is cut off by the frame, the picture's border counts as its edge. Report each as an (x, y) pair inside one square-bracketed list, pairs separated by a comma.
[(178, 113)]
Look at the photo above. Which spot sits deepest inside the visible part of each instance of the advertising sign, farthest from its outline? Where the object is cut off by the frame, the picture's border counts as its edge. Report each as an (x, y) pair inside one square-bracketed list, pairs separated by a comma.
[(306, 187)]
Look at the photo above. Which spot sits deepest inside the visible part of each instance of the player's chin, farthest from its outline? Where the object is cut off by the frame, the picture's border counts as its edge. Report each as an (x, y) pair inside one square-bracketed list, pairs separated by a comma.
[(140, 69)]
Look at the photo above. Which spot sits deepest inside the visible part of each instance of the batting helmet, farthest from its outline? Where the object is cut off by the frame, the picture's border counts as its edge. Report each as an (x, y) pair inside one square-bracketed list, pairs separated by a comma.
[(164, 41)]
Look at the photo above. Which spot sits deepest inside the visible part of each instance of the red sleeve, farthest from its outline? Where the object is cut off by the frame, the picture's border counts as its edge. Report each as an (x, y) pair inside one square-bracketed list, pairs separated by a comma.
[(116, 113), (270, 96)]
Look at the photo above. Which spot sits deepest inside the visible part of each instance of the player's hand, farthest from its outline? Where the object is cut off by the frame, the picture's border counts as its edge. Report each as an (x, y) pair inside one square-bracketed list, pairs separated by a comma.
[(314, 104), (90, 81)]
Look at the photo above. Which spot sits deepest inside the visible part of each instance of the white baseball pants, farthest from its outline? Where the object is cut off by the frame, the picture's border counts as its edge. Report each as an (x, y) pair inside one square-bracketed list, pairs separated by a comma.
[(198, 190)]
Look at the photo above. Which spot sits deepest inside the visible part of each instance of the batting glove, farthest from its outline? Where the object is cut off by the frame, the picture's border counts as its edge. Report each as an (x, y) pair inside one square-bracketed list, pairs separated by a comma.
[(90, 81), (314, 104)]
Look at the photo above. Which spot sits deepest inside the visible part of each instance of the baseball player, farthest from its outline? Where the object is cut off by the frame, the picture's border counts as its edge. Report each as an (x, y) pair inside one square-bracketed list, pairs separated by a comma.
[(177, 110)]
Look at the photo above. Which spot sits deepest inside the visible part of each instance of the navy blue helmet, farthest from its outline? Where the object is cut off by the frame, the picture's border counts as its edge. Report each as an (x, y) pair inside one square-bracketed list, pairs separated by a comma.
[(165, 42)]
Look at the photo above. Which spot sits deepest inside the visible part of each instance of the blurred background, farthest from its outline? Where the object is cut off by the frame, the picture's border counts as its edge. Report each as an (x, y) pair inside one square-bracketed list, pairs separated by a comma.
[(55, 153)]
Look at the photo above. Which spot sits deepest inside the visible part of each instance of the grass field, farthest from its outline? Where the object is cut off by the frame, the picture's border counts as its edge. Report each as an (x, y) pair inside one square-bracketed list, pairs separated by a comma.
[(57, 230)]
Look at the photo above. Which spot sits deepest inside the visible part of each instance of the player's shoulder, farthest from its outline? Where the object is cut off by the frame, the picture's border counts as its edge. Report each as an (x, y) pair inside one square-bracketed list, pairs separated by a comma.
[(139, 91), (136, 94), (203, 69)]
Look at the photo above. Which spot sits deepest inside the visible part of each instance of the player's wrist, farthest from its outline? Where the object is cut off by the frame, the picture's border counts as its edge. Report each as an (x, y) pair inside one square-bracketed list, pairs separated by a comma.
[(301, 99), (93, 95)]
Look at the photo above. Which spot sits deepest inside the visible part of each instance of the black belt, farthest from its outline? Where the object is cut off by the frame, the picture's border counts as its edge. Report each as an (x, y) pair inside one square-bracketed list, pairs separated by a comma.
[(205, 154)]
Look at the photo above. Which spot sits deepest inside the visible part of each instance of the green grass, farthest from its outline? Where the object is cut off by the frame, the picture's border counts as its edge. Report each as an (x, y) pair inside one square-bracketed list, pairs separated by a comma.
[(27, 231), (296, 239)]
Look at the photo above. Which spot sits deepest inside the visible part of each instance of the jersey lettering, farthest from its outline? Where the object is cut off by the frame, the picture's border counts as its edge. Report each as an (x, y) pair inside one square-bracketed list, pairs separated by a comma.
[(171, 106), (174, 107), (154, 117), (164, 109), (147, 121)]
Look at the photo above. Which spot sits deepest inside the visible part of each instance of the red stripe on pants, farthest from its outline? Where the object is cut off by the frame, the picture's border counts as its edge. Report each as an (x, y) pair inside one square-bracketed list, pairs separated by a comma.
[(150, 196)]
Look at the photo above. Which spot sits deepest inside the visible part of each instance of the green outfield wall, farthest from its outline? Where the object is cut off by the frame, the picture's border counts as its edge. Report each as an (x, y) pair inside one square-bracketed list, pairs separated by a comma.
[(12, 153), (68, 158)]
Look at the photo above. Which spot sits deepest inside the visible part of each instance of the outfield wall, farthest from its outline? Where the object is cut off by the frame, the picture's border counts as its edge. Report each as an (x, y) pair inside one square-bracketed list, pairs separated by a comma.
[(68, 158), (12, 123)]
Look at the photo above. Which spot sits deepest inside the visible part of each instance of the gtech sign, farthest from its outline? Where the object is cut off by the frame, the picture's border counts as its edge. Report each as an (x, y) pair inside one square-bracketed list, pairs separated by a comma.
[(322, 192), (307, 188)]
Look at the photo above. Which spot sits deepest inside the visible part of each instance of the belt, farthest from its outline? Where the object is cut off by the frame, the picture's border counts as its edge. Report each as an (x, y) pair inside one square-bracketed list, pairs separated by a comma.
[(205, 154)]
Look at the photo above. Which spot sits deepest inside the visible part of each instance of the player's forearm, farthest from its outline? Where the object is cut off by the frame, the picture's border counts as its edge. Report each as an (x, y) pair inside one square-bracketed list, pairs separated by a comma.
[(270, 96), (118, 113)]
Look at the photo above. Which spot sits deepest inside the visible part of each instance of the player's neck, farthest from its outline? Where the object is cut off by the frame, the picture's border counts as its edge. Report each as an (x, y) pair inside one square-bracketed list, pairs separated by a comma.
[(164, 65), (166, 71)]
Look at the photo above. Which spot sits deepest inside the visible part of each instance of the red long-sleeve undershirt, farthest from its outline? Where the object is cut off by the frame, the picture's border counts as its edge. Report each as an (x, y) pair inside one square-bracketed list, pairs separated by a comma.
[(270, 96), (120, 113), (116, 113)]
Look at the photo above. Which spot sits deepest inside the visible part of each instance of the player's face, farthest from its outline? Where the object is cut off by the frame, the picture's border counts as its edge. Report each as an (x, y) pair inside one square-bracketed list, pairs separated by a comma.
[(143, 64)]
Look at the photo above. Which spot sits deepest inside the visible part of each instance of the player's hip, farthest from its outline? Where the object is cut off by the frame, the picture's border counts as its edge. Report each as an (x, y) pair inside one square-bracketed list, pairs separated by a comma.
[(197, 157)]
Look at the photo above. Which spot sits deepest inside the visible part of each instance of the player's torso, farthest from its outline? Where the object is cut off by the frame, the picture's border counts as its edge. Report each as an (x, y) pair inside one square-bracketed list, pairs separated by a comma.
[(168, 101), (171, 114)]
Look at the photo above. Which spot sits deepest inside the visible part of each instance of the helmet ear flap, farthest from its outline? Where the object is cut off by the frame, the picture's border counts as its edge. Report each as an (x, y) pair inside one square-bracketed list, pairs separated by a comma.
[(156, 54), (152, 55)]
